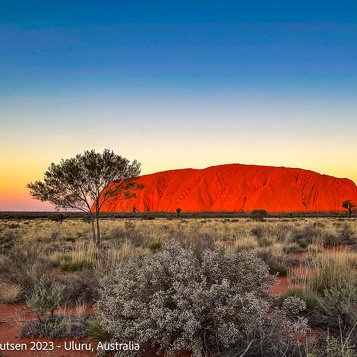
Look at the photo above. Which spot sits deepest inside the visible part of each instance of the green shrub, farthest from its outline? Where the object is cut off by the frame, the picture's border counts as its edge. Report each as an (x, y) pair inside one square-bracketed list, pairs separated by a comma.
[(337, 314), (45, 297), (76, 265), (281, 270), (24, 267), (178, 212), (330, 240), (71, 239), (274, 259), (57, 217), (97, 332), (302, 244), (7, 240), (80, 288), (259, 214), (340, 305), (154, 246)]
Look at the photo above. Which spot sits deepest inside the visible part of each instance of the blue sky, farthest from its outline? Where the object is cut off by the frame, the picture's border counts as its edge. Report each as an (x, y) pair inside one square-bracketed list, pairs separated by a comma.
[(176, 84)]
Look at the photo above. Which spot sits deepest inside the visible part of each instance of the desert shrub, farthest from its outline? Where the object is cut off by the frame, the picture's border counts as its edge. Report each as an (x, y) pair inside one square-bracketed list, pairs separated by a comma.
[(76, 265), (311, 233), (337, 315), (331, 240), (339, 307), (314, 250), (24, 267), (175, 300), (274, 258), (57, 217), (196, 242), (278, 269), (60, 327), (178, 212), (276, 335), (154, 246), (81, 288), (97, 332), (13, 225), (260, 230), (334, 347), (7, 240), (347, 234), (130, 233), (259, 214), (266, 234), (342, 301), (302, 244), (45, 297), (283, 233)]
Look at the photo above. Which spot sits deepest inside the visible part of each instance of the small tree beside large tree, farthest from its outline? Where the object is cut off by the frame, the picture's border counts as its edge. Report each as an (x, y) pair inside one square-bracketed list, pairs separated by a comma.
[(86, 182)]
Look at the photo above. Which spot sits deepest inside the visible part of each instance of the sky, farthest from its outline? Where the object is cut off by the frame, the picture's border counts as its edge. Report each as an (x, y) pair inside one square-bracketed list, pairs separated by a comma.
[(176, 84)]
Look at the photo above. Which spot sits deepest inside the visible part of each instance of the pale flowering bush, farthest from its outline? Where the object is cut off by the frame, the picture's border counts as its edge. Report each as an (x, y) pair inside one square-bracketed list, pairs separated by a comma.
[(278, 335), (180, 300)]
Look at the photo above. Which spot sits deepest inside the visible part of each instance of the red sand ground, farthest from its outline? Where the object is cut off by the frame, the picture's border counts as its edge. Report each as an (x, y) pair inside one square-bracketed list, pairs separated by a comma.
[(237, 187), (11, 318)]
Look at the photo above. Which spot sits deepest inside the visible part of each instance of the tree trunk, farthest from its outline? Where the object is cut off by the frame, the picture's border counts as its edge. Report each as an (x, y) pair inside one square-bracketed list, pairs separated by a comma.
[(98, 228), (93, 228)]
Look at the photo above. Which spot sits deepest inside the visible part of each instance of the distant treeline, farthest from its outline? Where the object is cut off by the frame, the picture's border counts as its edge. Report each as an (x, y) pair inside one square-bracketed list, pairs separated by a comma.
[(168, 215)]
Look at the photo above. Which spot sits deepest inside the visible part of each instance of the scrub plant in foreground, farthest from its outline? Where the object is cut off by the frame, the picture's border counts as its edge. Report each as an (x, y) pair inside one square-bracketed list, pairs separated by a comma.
[(180, 300), (46, 297)]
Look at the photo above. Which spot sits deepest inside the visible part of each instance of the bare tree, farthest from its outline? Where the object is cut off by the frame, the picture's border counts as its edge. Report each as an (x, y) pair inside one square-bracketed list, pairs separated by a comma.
[(86, 182)]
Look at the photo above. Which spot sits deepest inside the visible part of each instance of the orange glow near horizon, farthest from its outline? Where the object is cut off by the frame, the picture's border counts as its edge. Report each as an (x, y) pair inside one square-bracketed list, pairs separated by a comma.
[(14, 196), (176, 86)]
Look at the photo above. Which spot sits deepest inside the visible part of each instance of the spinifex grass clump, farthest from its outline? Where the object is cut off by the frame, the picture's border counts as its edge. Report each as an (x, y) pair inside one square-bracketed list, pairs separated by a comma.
[(274, 257), (9, 293), (333, 270), (83, 256), (304, 293), (178, 299)]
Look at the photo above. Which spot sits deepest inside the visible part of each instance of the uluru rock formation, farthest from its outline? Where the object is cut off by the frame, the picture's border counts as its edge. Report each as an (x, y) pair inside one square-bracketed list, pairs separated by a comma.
[(237, 187)]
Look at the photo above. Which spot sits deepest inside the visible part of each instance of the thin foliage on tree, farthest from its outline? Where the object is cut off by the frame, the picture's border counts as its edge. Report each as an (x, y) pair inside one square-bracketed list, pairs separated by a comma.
[(86, 182), (349, 206)]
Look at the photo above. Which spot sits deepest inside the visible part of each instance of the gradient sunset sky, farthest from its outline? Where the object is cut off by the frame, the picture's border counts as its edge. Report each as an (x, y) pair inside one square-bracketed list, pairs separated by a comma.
[(176, 84)]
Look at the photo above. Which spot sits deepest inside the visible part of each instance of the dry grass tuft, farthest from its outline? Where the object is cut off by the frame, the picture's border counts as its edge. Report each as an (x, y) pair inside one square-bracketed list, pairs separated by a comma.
[(10, 293)]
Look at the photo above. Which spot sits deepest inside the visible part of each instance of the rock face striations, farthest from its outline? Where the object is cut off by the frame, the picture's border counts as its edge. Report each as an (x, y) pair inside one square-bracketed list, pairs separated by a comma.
[(237, 187)]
